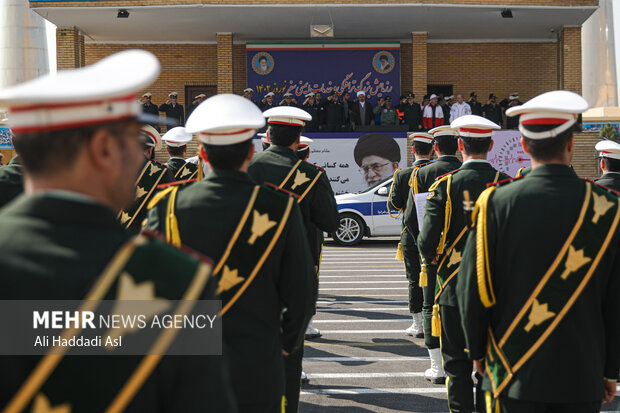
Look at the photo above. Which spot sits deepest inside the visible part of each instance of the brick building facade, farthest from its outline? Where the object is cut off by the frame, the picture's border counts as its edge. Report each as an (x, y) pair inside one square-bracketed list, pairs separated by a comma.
[(492, 63)]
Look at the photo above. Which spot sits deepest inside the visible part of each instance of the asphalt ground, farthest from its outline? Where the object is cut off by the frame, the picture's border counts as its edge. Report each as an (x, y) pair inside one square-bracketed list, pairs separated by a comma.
[(364, 362)]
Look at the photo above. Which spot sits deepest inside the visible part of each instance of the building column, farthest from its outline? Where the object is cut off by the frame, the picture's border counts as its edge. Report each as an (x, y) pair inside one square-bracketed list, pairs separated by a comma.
[(419, 63), (570, 58), (69, 48), (224, 63)]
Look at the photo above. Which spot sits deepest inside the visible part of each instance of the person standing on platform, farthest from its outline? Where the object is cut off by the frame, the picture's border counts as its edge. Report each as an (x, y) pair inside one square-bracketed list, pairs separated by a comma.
[(263, 264), (407, 249), (267, 102), (539, 283), (609, 154), (433, 114), (412, 113), (389, 116), (334, 111), (476, 107), (149, 107), (288, 100), (493, 110), (441, 243), (460, 108), (61, 241), (310, 107), (445, 148), (173, 110), (176, 144), (280, 164), (362, 114)]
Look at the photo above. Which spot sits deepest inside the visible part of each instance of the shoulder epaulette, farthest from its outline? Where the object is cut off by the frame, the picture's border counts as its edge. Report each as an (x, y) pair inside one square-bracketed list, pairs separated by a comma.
[(613, 191), (316, 166), (187, 181), (504, 181), (277, 188), (446, 174)]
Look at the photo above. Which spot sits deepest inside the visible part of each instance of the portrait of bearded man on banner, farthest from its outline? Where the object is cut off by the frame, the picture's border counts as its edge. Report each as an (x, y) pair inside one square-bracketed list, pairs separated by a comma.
[(377, 155)]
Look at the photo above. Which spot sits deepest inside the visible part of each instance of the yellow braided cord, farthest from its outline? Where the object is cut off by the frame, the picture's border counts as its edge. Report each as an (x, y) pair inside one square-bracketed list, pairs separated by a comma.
[(399, 252), (389, 201), (519, 172), (497, 409), (158, 196), (283, 406), (172, 226), (488, 398), (414, 174), (423, 276), (487, 297), (200, 170), (436, 322), (447, 218)]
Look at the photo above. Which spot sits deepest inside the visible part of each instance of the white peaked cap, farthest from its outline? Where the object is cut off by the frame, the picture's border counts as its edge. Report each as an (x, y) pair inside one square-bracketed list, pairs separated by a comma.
[(474, 126), (422, 137), (608, 149), (550, 114), (177, 137), (225, 119), (444, 130), (287, 115), (154, 138), (100, 93)]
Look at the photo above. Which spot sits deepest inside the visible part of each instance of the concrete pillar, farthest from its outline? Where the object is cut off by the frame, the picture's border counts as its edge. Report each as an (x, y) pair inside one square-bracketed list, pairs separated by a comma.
[(419, 63), (224, 63), (69, 48), (570, 56)]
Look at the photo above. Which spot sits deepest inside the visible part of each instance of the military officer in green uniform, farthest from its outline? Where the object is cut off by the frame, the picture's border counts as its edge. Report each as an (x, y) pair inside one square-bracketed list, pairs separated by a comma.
[(609, 154), (256, 236), (407, 249), (11, 181), (176, 144), (440, 242), (539, 282), (445, 148), (280, 165), (61, 241), (151, 175)]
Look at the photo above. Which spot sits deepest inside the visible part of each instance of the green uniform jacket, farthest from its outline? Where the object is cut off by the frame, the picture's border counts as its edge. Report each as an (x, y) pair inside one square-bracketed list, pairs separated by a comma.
[(174, 164), (528, 221), (472, 176), (11, 183), (398, 199), (388, 116), (426, 176), (54, 247), (610, 180), (208, 213), (318, 207)]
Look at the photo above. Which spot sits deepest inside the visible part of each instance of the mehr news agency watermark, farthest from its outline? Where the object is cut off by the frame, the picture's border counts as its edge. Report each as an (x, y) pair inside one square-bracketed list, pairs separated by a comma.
[(109, 327)]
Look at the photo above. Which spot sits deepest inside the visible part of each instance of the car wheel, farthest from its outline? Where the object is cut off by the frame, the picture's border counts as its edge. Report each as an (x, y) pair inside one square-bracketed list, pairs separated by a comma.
[(351, 230)]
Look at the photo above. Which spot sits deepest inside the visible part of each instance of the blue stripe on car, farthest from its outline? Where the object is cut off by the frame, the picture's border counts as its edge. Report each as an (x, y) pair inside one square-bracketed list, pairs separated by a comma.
[(364, 208)]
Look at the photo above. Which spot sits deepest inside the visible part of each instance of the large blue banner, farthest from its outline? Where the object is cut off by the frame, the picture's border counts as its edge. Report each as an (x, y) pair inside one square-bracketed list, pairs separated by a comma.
[(316, 67)]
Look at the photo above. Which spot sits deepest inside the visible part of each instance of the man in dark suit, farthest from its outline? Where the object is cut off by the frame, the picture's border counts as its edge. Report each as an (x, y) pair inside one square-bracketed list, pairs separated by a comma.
[(539, 282), (173, 110), (362, 114)]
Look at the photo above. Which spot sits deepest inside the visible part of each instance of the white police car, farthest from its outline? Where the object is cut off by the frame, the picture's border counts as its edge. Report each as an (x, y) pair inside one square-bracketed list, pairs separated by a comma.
[(365, 214)]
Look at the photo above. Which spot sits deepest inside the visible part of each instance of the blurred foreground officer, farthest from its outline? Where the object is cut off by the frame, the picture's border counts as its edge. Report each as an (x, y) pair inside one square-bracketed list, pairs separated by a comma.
[(152, 174), (279, 164), (610, 164), (539, 284), (11, 181), (408, 251), (441, 242), (445, 147), (60, 236), (256, 236), (176, 144)]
